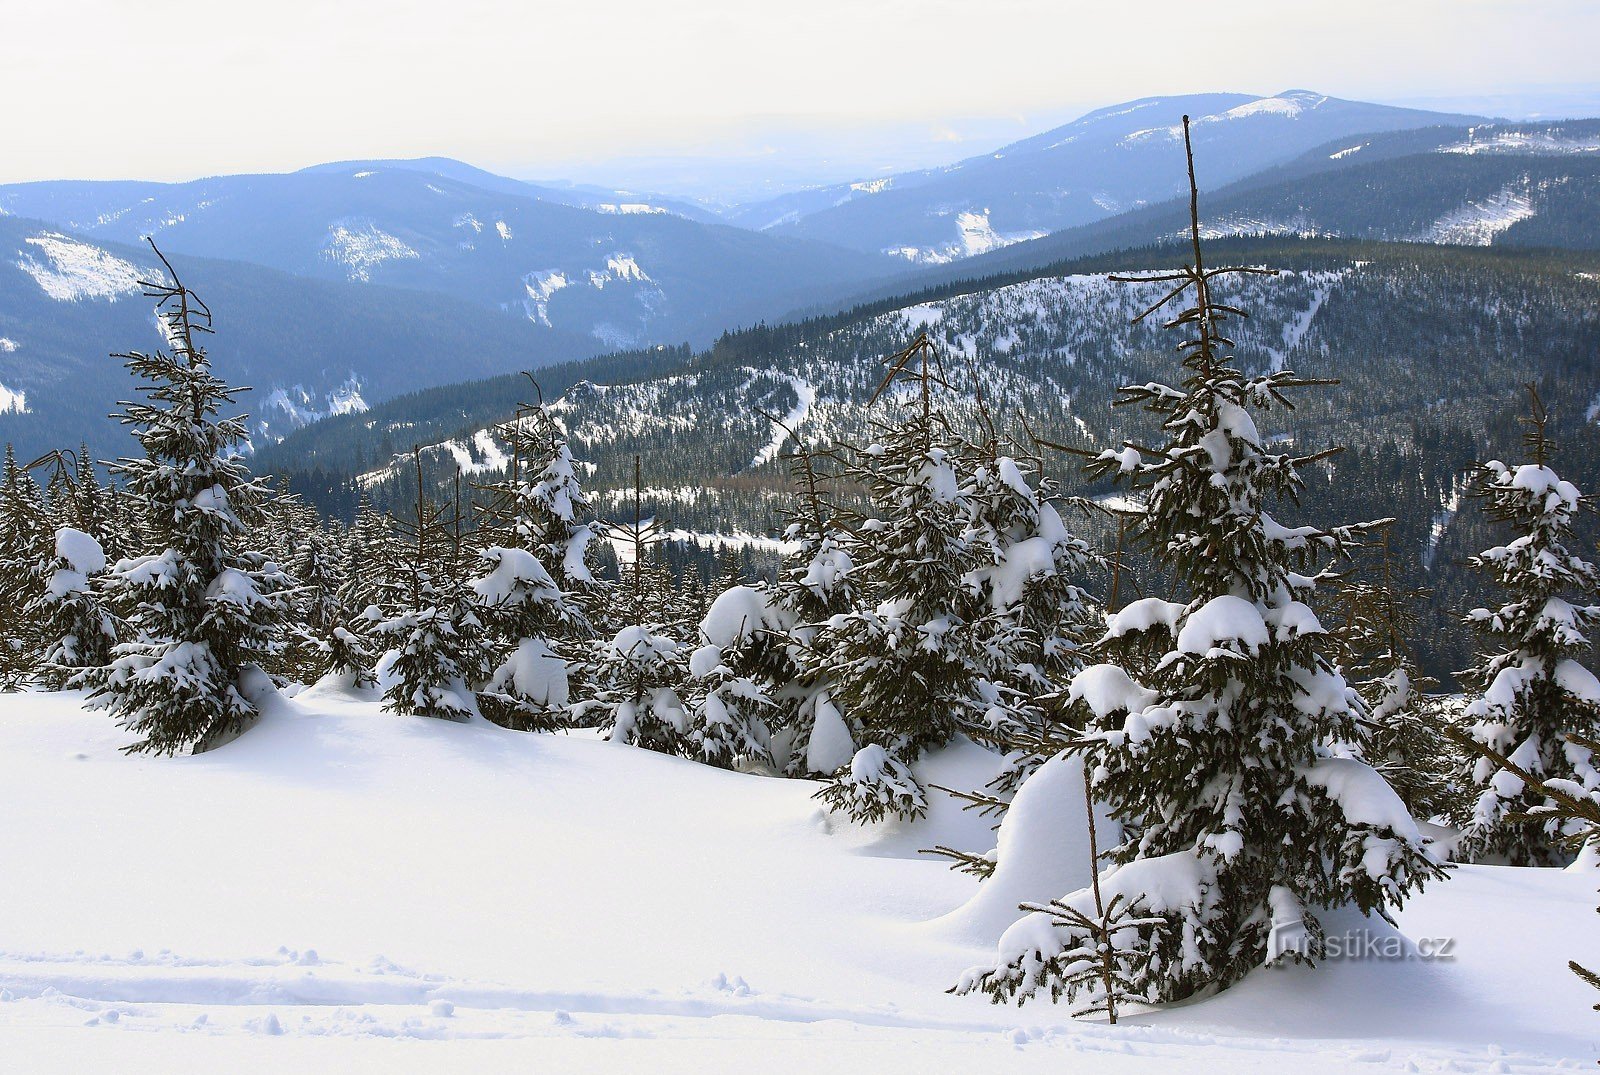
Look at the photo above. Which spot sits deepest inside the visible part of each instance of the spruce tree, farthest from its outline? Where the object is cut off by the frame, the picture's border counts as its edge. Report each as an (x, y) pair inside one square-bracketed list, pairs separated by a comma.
[(75, 627), (541, 597), (639, 674), (201, 608), (1400, 733), (1222, 756), (25, 533), (328, 638), (422, 615), (1532, 688), (907, 658), (815, 583), (731, 712), (1035, 614)]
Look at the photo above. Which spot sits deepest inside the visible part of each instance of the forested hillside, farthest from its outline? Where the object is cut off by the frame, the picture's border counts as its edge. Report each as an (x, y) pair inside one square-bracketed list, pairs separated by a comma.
[(1432, 347)]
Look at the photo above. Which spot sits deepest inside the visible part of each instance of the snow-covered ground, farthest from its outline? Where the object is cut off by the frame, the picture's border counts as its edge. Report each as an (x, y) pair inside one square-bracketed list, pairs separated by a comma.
[(342, 889)]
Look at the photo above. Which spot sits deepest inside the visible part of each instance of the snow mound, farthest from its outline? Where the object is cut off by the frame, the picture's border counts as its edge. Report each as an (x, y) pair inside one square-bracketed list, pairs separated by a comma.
[(1042, 852)]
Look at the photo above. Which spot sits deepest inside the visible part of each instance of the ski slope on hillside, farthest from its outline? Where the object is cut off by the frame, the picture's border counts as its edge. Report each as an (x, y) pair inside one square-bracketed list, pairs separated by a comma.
[(343, 889)]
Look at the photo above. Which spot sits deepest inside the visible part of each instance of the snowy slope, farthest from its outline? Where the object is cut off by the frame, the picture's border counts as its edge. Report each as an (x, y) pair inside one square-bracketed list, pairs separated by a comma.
[(342, 888)]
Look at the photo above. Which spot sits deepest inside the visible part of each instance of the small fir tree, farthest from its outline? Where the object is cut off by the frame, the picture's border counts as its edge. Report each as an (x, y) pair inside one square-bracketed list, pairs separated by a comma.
[(1221, 758), (1400, 734), (202, 609), (1532, 688), (640, 671), (77, 629), (432, 662), (907, 665)]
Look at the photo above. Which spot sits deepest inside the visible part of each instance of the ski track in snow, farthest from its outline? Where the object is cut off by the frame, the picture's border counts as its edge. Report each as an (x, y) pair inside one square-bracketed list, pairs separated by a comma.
[(1296, 330), (805, 395), (299, 994), (565, 897)]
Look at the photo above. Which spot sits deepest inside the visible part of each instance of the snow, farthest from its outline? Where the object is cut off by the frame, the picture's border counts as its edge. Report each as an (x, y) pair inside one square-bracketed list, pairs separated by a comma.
[(1107, 689), (1343, 153), (831, 746), (301, 406), (1477, 222), (494, 458), (1295, 330), (13, 401), (629, 208), (540, 286), (974, 235), (361, 246), (504, 230), (805, 397), (736, 614), (1548, 142), (80, 550), (1223, 619), (1042, 852), (72, 270), (1142, 615), (344, 889), (7, 346)]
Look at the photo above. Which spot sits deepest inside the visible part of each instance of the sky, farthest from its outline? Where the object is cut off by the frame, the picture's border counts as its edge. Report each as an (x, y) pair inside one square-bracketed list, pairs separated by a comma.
[(173, 89)]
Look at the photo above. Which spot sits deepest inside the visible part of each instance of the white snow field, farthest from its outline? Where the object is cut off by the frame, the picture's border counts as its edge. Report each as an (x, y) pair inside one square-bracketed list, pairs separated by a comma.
[(345, 890)]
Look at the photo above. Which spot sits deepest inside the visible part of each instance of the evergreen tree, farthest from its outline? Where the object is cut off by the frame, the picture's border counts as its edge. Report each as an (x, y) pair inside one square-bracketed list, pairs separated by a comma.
[(731, 712), (1400, 733), (77, 630), (1532, 686), (422, 616), (907, 659), (814, 584), (526, 614), (201, 609), (541, 598), (1036, 615), (640, 671), (24, 544), (1221, 757), (328, 638)]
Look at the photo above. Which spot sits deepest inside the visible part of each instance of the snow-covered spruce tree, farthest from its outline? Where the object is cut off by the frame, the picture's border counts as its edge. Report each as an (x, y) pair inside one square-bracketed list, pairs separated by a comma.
[(422, 616), (907, 665), (328, 633), (1036, 616), (543, 632), (1531, 687), (792, 658), (75, 627), (24, 544), (200, 609), (730, 709), (525, 616), (1401, 735), (1241, 820), (640, 671)]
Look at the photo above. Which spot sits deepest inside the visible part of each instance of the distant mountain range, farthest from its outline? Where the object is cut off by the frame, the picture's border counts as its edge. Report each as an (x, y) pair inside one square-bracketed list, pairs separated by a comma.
[(1111, 160), (348, 284), (308, 348), (622, 272)]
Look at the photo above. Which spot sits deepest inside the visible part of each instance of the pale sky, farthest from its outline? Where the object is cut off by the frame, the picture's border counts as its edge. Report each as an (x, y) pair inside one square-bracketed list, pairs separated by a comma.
[(172, 89)]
